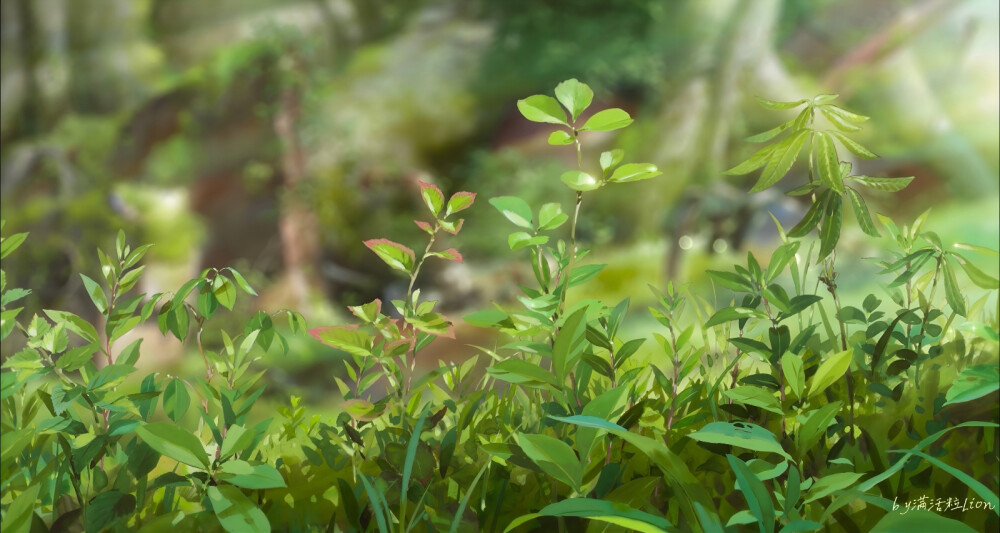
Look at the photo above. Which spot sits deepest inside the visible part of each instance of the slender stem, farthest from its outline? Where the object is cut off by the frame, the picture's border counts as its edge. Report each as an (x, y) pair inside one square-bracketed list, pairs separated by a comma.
[(831, 286), (408, 306), (927, 305), (673, 395)]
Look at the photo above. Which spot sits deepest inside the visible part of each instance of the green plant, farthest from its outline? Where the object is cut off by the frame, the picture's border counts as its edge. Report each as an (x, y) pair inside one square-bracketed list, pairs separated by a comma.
[(758, 414)]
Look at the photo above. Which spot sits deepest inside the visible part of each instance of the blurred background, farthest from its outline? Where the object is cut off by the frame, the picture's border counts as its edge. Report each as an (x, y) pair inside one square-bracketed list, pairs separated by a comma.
[(275, 136)]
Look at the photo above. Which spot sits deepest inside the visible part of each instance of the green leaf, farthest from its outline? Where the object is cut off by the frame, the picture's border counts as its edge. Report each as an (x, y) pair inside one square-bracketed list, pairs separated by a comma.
[(742, 434), (830, 371), (792, 368), (607, 120), (829, 232), (236, 512), (729, 314), (459, 201), (569, 344), (755, 161), (812, 216), (854, 147), (611, 159), (780, 162), (982, 250), (754, 396), (237, 439), (861, 213), (837, 121), (769, 134), (779, 260), (241, 282), (347, 338), (465, 499), (973, 383), (521, 239), (634, 172), (845, 114), (771, 104), (108, 508), (918, 521), (831, 483), (174, 442), (248, 476), (21, 511), (618, 514), (575, 96), (551, 216), (731, 281), (883, 184), (515, 209), (520, 371), (9, 244), (541, 108), (560, 138), (553, 456), (757, 496), (985, 493), (827, 162), (96, 294), (580, 181), (176, 399), (952, 292), (976, 276), (432, 196), (393, 254), (693, 499), (12, 296)]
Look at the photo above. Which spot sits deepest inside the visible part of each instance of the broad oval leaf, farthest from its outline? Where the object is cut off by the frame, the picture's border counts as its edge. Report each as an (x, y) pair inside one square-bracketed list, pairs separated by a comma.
[(560, 138), (432, 196), (574, 96), (553, 456), (607, 120), (395, 255), (580, 181), (541, 108), (245, 475), (174, 442), (347, 338), (741, 434), (236, 512), (459, 201), (515, 209), (832, 369)]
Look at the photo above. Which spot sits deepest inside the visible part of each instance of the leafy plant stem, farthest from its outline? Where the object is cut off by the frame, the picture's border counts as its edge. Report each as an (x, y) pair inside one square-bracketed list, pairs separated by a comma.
[(831, 285), (927, 304)]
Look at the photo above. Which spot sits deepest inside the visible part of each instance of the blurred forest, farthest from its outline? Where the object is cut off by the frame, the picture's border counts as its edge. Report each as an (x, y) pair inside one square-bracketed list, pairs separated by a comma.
[(275, 135)]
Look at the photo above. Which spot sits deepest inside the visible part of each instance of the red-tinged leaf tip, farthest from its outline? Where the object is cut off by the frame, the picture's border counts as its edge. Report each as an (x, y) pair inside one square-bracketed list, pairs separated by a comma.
[(457, 227), (424, 226), (425, 185), (318, 332), (372, 244), (453, 254), (459, 201)]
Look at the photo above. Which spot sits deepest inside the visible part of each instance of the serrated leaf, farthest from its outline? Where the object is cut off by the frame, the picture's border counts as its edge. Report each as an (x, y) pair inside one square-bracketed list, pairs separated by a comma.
[(769, 134), (755, 161), (772, 104), (395, 255), (827, 162), (541, 108), (96, 294), (853, 146), (575, 96), (781, 160), (861, 213), (607, 120), (829, 232)]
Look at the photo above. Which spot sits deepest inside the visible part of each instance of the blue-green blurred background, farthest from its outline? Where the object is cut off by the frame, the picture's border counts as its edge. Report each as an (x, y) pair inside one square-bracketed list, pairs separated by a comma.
[(275, 136)]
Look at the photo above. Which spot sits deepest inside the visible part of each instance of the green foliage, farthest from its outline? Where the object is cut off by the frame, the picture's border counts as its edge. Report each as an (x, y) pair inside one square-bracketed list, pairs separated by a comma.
[(778, 410)]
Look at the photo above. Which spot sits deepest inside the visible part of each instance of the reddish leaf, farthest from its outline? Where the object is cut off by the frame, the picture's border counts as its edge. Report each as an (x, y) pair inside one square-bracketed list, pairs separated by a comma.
[(459, 201), (450, 254), (432, 196), (394, 254), (424, 226), (367, 312), (347, 338), (452, 227)]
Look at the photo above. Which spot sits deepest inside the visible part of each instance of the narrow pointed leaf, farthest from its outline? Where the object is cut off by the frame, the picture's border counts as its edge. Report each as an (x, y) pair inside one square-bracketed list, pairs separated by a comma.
[(861, 213)]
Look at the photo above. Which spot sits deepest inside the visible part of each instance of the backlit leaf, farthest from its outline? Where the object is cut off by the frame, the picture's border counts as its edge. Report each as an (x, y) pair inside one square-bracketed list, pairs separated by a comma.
[(607, 120), (541, 108), (393, 254), (575, 96)]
